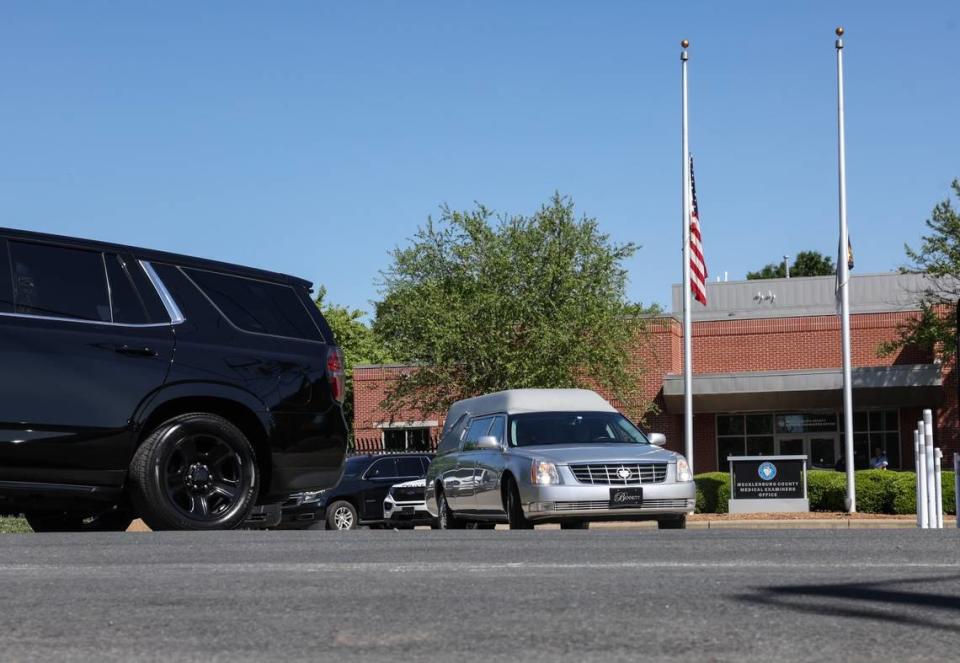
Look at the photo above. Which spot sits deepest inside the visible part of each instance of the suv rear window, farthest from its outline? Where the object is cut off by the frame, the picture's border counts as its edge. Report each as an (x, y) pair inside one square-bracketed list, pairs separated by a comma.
[(257, 306)]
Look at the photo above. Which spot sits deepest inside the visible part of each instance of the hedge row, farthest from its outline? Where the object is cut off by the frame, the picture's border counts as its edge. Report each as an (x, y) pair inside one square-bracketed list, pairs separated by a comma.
[(878, 491)]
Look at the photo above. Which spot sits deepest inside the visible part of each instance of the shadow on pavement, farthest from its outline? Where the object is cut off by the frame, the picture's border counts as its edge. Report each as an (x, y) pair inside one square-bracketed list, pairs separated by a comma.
[(867, 600)]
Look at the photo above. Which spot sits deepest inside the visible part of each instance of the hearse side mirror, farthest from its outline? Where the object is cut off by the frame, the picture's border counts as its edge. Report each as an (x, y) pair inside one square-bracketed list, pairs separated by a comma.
[(658, 439), (488, 443)]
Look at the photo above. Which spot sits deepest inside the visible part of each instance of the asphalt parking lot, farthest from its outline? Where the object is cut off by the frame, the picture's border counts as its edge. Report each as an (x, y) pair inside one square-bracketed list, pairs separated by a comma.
[(481, 595)]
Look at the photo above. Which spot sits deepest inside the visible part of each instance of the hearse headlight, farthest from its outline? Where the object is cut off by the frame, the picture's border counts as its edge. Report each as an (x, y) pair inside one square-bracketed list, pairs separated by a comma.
[(544, 473), (683, 469)]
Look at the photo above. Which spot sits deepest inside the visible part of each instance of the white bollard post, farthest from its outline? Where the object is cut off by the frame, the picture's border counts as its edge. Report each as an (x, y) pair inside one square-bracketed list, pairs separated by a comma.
[(956, 485), (922, 477), (916, 472), (931, 469), (938, 484)]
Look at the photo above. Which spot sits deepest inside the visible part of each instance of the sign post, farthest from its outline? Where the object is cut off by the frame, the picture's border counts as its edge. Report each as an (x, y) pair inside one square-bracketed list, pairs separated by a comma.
[(763, 484)]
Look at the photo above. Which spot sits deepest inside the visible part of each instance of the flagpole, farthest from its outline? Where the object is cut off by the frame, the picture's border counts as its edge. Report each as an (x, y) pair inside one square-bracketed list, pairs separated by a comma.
[(687, 329), (844, 271)]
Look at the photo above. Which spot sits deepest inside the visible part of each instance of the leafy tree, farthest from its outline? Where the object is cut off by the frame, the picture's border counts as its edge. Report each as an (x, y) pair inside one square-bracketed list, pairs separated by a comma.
[(807, 263), (938, 257), (357, 340), (481, 303)]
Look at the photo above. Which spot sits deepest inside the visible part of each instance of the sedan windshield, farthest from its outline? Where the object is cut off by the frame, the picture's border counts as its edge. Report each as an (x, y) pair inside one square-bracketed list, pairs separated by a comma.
[(534, 429)]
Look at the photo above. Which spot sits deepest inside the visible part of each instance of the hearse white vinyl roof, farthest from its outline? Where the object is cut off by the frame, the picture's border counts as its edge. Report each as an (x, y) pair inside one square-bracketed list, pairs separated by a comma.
[(515, 401)]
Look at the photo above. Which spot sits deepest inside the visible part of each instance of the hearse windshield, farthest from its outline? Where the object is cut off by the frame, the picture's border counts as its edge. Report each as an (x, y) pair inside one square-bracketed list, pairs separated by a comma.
[(534, 429)]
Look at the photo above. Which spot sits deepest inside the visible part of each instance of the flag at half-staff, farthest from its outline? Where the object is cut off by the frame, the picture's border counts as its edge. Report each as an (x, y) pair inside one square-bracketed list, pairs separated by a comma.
[(698, 265)]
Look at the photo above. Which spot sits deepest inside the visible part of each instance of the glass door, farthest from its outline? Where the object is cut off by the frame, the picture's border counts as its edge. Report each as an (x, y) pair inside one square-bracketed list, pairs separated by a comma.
[(791, 446), (820, 448), (823, 452)]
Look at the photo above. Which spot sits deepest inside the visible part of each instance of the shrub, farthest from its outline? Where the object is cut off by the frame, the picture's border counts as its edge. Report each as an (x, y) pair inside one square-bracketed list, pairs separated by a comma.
[(905, 493), (826, 490), (948, 481), (876, 490), (709, 488)]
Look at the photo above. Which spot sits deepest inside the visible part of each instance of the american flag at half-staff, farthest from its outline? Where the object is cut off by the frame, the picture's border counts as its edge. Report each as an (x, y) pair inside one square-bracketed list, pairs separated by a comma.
[(698, 266)]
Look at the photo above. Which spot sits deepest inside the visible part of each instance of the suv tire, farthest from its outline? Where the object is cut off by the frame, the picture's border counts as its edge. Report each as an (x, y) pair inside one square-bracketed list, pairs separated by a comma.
[(445, 517), (514, 511), (113, 519), (194, 472), (673, 523), (341, 515)]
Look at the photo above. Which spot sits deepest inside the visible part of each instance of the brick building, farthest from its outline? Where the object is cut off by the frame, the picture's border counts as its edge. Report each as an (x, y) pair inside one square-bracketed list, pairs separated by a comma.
[(766, 357)]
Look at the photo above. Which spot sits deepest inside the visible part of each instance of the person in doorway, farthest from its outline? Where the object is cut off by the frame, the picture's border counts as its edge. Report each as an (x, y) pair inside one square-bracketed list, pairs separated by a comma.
[(879, 459)]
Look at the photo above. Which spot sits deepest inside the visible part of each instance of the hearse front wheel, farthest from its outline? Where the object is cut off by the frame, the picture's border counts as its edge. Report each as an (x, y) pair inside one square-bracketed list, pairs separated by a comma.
[(194, 472)]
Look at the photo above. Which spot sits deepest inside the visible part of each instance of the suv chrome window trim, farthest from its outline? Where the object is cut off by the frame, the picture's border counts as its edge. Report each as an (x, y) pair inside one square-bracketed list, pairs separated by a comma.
[(176, 316), (322, 340), (31, 316)]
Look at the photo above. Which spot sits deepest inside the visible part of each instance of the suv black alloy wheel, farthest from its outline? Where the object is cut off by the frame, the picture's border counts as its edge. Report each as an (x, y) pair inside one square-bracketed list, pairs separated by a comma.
[(196, 471)]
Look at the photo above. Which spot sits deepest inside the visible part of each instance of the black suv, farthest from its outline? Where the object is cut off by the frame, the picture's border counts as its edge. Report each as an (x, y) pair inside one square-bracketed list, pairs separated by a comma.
[(140, 383), (358, 498)]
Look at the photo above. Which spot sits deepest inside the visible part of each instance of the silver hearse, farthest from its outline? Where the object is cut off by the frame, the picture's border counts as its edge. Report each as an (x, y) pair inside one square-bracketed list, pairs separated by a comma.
[(529, 456)]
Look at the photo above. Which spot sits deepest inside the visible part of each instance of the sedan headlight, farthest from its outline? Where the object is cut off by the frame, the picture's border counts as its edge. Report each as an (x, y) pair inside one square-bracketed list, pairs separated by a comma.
[(313, 497), (544, 473), (683, 469)]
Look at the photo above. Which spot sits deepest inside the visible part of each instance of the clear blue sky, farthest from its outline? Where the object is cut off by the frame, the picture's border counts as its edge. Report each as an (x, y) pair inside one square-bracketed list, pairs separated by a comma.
[(312, 137)]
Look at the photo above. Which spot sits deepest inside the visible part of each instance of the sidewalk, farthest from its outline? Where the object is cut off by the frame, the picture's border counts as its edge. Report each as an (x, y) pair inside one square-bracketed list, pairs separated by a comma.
[(812, 520)]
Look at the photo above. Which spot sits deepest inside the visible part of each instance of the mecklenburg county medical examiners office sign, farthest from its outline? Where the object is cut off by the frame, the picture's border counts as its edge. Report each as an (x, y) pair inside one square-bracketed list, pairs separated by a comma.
[(762, 484)]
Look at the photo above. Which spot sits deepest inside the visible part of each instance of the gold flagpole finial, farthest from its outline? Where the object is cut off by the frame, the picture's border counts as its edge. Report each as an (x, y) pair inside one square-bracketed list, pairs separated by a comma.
[(839, 31), (685, 43)]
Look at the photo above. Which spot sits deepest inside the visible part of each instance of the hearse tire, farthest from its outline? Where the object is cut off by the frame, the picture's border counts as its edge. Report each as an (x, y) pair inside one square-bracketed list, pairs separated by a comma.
[(514, 511), (445, 516), (672, 523), (194, 472), (112, 519)]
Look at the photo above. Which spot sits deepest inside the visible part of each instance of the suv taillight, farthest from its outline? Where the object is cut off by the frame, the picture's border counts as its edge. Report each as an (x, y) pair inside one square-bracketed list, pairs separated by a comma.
[(335, 373)]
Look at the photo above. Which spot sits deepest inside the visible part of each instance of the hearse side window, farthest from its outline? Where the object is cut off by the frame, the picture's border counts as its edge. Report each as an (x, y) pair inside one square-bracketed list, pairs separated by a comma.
[(133, 302), (257, 306), (56, 281), (451, 440)]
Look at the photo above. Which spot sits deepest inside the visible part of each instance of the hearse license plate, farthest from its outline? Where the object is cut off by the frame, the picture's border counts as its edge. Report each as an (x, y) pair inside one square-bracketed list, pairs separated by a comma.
[(621, 497)]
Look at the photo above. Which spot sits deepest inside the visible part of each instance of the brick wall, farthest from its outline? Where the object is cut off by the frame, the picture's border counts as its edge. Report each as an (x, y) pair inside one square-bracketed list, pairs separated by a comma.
[(725, 346)]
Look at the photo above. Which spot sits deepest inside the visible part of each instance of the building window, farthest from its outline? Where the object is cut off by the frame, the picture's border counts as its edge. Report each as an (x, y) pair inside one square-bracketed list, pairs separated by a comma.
[(406, 439), (876, 429), (743, 435)]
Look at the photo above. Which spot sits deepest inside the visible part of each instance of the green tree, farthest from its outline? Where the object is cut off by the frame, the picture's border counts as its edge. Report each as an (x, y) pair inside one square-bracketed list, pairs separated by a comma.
[(359, 343), (481, 303), (938, 257), (807, 263)]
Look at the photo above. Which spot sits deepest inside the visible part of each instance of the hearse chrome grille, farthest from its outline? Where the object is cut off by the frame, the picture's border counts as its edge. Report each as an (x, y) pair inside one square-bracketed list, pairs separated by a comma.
[(604, 505), (620, 474)]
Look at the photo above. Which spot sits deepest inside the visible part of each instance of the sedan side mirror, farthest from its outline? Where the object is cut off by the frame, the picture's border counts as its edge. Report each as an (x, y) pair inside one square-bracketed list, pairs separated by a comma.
[(658, 439), (488, 443)]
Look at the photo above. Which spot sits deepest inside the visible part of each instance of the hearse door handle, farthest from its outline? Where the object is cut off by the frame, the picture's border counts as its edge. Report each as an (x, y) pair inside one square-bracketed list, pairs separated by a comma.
[(133, 351)]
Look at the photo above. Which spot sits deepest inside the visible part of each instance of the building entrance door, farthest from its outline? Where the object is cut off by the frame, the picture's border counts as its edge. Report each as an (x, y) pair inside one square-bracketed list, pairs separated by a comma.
[(821, 449)]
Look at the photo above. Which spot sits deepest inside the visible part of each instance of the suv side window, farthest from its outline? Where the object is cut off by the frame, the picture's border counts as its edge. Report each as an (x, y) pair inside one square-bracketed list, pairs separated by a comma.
[(478, 428), (57, 281), (133, 300), (409, 467), (257, 306), (385, 468)]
